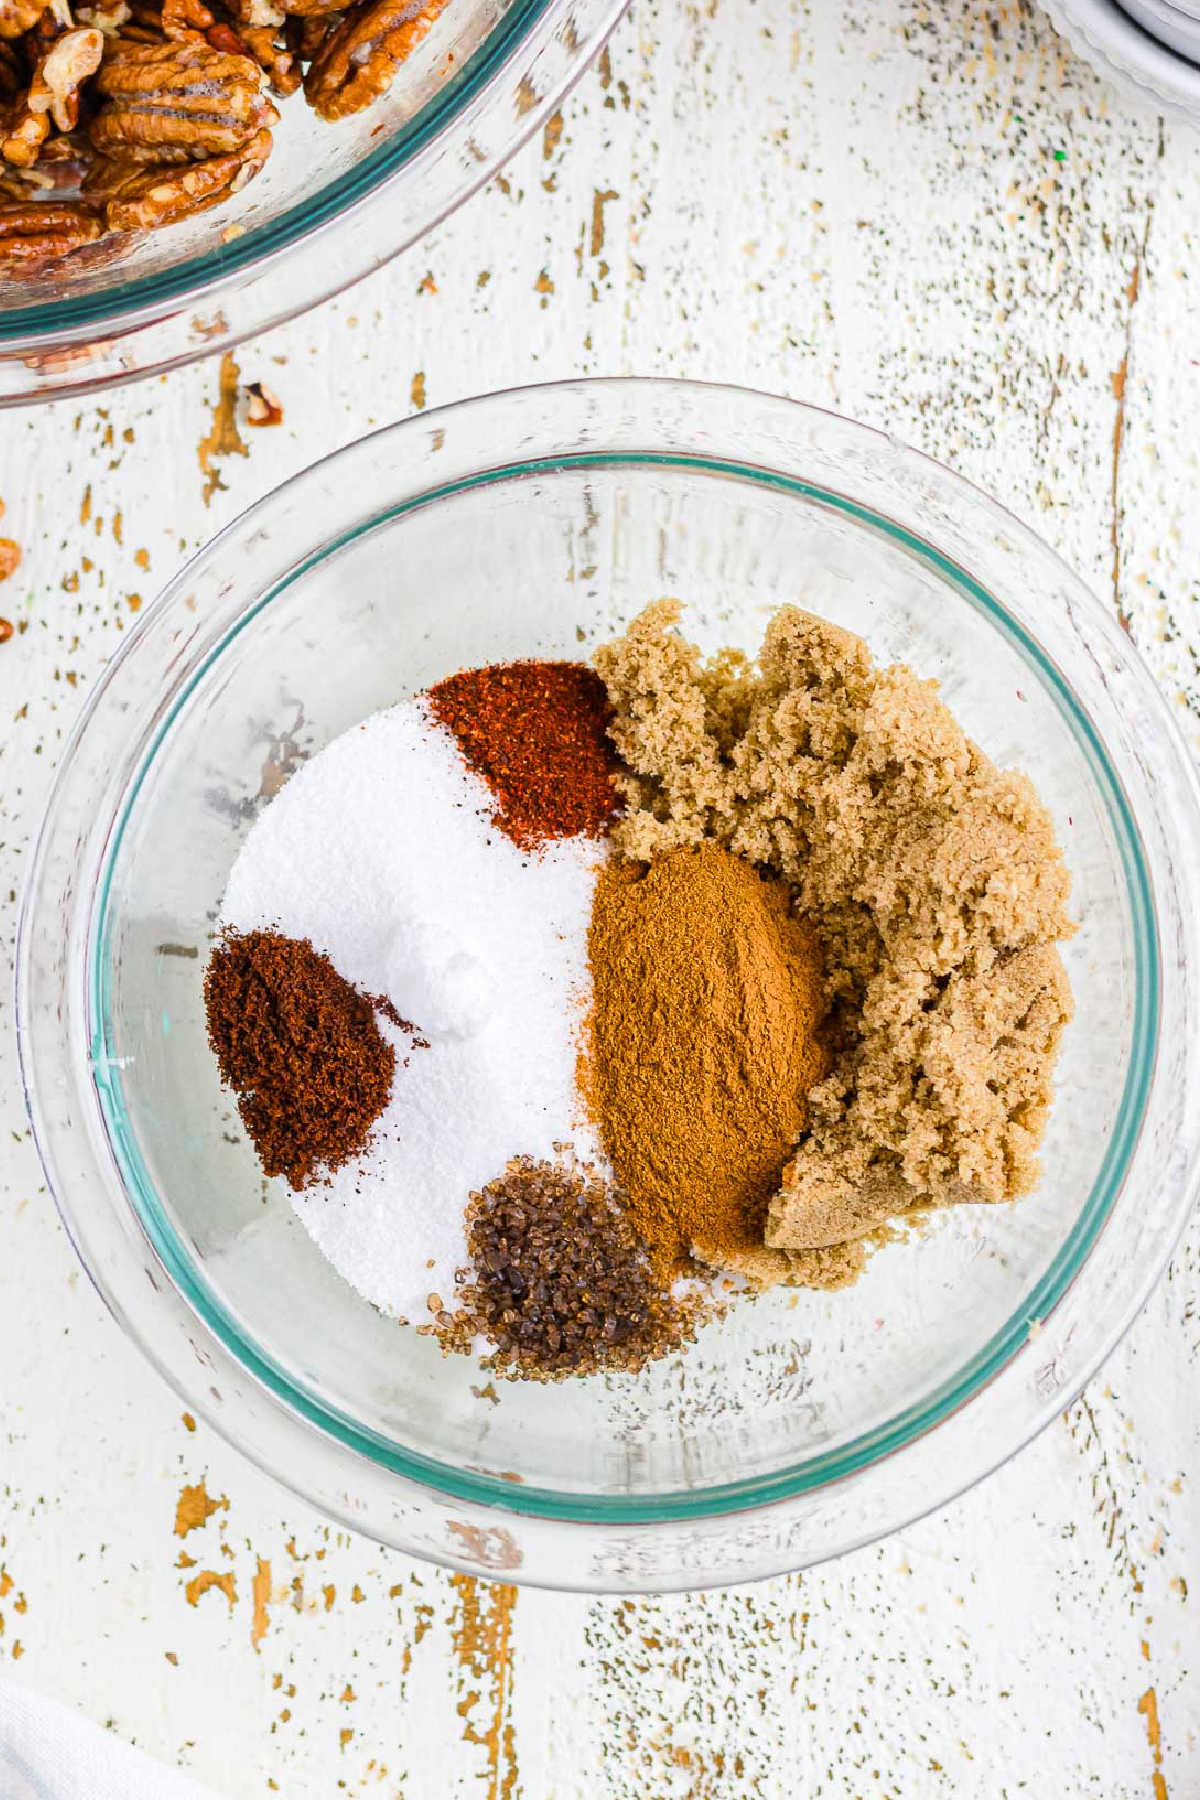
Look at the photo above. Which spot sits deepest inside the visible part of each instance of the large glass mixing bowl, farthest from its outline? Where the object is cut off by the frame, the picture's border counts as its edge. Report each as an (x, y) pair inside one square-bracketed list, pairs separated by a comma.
[(333, 202), (534, 523)]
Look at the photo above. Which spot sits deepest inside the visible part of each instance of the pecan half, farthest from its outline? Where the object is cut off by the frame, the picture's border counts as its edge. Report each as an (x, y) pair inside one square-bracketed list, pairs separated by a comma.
[(358, 60), (140, 198), (256, 13), (107, 16), (269, 46), (39, 232), (143, 25), (221, 36), (306, 35), (23, 134), (150, 21), (177, 102), (19, 16), (53, 96), (74, 58), (185, 18), (60, 168)]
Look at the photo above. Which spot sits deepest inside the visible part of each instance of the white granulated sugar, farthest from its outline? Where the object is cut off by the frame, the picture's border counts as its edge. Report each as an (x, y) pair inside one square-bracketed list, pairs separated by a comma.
[(381, 851)]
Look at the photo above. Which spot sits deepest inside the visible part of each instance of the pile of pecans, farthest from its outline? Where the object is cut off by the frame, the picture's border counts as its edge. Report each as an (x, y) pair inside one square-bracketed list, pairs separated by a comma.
[(127, 115)]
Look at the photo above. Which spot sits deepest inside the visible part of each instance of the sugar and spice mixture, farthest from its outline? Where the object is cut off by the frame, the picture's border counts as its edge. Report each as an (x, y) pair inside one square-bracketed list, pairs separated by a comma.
[(710, 966), (381, 852), (933, 880)]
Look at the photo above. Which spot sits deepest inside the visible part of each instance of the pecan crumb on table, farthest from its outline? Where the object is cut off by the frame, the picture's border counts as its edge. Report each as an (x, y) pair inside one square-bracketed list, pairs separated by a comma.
[(262, 406)]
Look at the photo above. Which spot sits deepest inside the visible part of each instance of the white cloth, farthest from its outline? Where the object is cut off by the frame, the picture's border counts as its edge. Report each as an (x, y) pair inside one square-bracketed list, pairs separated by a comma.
[(50, 1753)]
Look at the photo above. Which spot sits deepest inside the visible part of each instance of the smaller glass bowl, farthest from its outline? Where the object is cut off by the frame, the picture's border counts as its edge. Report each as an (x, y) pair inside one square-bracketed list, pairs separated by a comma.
[(534, 523), (334, 202)]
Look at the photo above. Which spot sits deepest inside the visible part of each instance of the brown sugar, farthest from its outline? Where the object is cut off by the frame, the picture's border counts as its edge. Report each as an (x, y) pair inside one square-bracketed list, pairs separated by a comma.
[(301, 1048), (933, 880), (703, 1046)]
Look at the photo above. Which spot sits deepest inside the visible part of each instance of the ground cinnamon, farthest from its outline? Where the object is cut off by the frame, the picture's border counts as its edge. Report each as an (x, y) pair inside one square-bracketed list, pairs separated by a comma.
[(933, 877), (536, 732), (704, 1043), (301, 1048)]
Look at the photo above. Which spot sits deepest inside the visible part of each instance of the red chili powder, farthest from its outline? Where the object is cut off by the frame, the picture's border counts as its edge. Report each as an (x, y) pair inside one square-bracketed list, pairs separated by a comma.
[(536, 732), (301, 1048)]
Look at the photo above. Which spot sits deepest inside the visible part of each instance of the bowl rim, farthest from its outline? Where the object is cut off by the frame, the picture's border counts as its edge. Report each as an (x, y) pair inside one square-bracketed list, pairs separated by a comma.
[(997, 1355), (1146, 68)]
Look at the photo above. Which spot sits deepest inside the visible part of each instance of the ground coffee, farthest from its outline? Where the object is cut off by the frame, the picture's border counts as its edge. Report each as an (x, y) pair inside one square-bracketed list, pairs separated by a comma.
[(301, 1048)]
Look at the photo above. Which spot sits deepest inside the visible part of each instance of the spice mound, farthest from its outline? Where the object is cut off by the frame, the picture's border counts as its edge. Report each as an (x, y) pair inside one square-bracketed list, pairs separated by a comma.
[(301, 1049), (536, 732), (933, 881), (561, 1283), (706, 1005)]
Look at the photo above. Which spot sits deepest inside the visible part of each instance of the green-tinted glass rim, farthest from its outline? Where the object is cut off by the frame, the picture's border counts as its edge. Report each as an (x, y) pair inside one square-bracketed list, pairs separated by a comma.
[(189, 280), (869, 1447)]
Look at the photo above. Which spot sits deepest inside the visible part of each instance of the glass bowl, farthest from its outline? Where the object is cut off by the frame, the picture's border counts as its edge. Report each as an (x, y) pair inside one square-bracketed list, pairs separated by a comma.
[(333, 202), (534, 523)]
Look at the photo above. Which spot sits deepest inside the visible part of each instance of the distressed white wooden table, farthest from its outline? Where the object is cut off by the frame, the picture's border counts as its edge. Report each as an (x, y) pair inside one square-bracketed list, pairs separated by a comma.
[(923, 213)]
